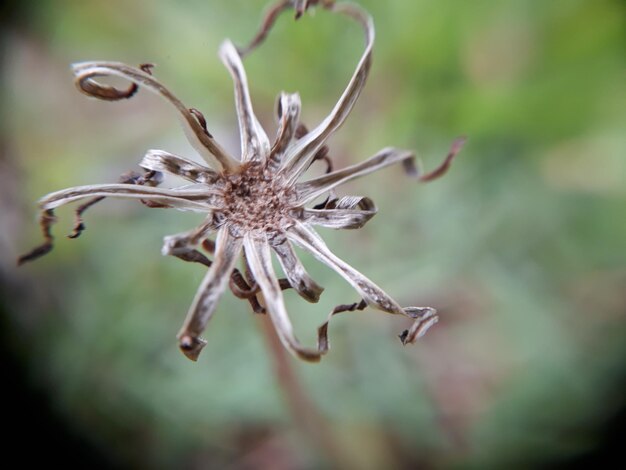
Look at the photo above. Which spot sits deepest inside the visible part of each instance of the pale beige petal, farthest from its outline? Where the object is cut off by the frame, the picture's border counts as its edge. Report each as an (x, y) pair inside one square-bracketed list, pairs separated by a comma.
[(289, 106), (303, 152), (258, 255), (227, 250), (160, 160), (255, 144), (309, 190), (190, 199)]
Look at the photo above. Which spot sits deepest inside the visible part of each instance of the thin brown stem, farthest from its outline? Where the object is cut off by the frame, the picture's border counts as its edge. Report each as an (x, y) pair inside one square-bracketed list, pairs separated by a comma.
[(311, 423)]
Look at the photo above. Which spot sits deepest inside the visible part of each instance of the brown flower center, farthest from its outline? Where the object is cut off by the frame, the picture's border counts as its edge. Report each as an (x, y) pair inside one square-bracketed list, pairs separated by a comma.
[(254, 200)]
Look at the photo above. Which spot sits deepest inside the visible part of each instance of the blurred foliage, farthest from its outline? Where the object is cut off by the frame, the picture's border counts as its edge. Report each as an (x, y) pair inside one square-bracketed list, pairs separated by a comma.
[(520, 247)]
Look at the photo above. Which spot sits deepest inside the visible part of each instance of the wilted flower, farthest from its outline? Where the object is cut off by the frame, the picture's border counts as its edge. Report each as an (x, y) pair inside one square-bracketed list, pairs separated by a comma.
[(254, 204)]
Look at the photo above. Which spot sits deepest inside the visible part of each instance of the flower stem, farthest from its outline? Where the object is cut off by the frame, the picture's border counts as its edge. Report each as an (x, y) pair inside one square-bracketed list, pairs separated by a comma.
[(308, 418)]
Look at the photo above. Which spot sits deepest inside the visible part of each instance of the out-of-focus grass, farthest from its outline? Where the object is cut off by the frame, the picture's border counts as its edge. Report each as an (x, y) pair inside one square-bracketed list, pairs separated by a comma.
[(520, 246)]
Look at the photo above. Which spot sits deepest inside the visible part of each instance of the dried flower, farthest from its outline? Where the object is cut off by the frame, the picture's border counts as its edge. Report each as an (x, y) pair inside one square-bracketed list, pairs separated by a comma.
[(256, 204)]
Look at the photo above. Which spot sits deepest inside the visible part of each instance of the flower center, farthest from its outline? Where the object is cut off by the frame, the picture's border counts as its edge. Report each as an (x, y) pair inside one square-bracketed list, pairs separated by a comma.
[(254, 200)]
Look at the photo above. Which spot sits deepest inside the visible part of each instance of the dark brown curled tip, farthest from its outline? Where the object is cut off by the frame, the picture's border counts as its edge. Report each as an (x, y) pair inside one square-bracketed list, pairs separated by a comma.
[(424, 318), (300, 6), (323, 344), (79, 224), (266, 26), (323, 204), (155, 205), (257, 308), (284, 284), (301, 131), (201, 120), (35, 253), (240, 288), (104, 92), (147, 68), (46, 220), (403, 337), (208, 245), (322, 154), (191, 346), (303, 5), (441, 170), (149, 178), (409, 167), (194, 256)]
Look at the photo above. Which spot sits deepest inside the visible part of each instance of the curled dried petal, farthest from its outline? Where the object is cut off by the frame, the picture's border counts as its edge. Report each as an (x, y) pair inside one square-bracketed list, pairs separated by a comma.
[(323, 343), (425, 317), (105, 92), (311, 189), (350, 212), (87, 72)]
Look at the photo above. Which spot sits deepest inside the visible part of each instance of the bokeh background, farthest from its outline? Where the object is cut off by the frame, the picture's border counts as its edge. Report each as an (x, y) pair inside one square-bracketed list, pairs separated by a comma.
[(521, 247)]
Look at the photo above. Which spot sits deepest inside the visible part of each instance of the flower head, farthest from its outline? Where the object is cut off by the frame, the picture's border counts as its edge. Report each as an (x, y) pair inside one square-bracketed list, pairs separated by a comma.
[(256, 204)]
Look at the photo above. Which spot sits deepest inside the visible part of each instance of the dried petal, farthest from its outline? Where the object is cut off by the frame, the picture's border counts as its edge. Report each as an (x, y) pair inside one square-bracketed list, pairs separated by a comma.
[(350, 212), (185, 241), (295, 272), (307, 239), (227, 251), (309, 190), (196, 200), (288, 114), (258, 256), (86, 72), (159, 160), (425, 317), (305, 149), (255, 144)]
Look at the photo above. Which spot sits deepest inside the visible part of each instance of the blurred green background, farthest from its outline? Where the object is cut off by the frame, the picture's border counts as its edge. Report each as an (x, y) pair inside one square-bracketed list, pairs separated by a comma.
[(521, 247)]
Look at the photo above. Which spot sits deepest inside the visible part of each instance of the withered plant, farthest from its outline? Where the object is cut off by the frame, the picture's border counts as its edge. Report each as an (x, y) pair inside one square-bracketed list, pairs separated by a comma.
[(255, 204)]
